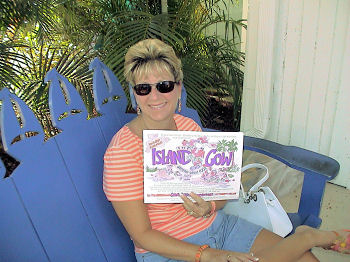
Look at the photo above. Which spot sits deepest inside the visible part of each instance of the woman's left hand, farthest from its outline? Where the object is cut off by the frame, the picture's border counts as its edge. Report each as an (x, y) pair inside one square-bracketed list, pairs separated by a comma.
[(199, 208)]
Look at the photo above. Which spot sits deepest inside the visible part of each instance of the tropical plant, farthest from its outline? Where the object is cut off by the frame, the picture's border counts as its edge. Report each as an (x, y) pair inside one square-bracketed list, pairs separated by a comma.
[(31, 44), (209, 62), (40, 34)]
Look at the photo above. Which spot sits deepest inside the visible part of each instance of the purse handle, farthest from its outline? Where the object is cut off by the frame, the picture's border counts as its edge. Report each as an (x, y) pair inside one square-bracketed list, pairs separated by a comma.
[(254, 188)]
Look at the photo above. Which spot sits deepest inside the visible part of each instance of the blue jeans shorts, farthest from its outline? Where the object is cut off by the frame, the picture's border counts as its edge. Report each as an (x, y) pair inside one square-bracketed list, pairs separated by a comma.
[(227, 232)]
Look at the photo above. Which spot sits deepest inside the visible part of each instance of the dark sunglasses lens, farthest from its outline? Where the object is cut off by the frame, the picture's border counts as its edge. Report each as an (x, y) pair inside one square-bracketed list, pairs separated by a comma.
[(162, 87), (165, 86), (142, 89)]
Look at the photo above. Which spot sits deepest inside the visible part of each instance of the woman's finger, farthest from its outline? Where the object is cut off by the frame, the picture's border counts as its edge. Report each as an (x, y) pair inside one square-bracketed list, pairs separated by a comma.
[(197, 198), (191, 208), (204, 206), (188, 207), (200, 207), (187, 201), (231, 257)]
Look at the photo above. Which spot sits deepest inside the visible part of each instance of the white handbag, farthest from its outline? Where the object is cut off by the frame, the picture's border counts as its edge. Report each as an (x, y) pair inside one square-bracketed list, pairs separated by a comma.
[(260, 206)]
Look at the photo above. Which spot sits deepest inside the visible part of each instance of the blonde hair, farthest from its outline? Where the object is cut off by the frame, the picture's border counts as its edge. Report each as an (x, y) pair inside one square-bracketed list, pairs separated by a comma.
[(150, 54)]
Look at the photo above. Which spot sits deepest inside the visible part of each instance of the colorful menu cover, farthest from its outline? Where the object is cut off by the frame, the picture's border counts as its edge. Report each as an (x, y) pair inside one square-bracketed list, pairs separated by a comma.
[(180, 162)]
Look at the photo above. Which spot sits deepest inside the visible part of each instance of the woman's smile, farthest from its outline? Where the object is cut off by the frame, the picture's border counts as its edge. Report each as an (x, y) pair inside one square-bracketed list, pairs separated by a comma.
[(158, 106)]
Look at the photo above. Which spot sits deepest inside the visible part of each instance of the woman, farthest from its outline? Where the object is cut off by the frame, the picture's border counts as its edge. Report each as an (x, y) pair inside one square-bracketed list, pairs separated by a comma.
[(192, 231)]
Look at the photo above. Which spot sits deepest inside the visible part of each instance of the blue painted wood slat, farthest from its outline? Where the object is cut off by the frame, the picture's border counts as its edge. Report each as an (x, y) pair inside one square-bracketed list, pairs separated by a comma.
[(18, 238), (110, 100), (82, 146)]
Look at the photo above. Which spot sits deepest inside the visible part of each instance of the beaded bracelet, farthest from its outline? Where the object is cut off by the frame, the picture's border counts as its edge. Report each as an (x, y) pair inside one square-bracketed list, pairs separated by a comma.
[(199, 252)]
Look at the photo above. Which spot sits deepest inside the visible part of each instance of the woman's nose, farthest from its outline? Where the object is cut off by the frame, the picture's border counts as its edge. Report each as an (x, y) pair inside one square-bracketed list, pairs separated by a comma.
[(154, 92)]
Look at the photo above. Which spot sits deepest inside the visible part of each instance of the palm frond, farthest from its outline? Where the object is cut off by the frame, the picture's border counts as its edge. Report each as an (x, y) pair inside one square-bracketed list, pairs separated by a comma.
[(41, 34)]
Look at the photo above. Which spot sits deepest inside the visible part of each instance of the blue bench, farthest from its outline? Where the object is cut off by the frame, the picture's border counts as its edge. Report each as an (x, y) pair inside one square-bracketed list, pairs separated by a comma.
[(52, 207)]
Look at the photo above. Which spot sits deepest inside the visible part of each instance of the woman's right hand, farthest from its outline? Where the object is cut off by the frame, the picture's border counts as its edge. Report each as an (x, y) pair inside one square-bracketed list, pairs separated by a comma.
[(216, 255)]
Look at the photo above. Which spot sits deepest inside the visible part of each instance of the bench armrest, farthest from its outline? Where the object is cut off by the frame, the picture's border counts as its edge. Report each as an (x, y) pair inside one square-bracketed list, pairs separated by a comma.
[(295, 157)]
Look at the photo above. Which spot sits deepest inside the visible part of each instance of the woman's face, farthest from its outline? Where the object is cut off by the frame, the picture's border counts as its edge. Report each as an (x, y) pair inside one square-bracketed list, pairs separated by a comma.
[(157, 106)]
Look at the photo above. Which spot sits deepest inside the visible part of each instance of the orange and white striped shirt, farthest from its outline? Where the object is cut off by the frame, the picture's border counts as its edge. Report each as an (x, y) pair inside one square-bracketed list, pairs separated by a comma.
[(123, 181)]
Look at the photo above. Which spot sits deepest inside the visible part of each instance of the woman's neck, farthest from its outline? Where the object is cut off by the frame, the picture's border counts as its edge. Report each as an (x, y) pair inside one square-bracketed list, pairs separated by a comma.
[(140, 123), (150, 124)]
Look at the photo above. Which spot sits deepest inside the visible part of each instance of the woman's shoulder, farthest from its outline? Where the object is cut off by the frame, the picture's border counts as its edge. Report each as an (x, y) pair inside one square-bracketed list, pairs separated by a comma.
[(184, 123), (123, 137)]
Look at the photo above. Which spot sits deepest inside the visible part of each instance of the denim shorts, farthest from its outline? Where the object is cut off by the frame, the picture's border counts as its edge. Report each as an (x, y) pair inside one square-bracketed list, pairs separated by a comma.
[(227, 232)]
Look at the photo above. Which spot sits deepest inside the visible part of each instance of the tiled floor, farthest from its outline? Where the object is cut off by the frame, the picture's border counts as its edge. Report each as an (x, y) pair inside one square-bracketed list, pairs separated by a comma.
[(335, 213)]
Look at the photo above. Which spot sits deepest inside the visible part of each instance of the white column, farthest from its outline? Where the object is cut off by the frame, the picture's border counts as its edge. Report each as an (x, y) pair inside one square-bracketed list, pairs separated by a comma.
[(262, 17)]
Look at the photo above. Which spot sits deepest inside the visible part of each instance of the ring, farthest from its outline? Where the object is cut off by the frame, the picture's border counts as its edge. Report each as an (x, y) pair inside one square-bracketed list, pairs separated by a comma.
[(190, 213)]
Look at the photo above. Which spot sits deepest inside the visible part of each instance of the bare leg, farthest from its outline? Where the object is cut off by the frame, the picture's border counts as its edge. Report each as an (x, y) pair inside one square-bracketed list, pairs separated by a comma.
[(324, 238), (270, 247)]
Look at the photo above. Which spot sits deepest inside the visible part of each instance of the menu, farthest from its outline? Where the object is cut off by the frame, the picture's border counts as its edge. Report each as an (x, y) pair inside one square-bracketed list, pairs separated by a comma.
[(180, 162)]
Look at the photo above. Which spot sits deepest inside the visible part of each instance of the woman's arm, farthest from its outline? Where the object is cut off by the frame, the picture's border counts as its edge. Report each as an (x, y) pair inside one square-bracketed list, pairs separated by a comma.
[(134, 216)]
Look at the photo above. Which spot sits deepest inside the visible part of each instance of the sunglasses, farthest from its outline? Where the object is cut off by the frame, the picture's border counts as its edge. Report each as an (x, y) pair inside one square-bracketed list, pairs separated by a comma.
[(162, 87)]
